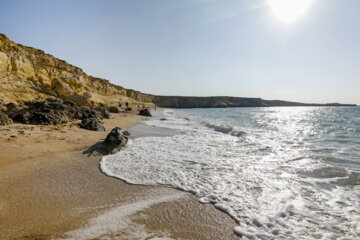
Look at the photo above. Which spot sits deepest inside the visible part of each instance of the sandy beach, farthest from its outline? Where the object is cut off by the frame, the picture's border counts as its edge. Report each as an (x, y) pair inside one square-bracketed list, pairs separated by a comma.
[(50, 189)]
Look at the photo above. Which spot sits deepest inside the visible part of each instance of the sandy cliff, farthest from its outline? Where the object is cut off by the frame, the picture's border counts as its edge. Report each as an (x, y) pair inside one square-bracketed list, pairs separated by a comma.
[(30, 74)]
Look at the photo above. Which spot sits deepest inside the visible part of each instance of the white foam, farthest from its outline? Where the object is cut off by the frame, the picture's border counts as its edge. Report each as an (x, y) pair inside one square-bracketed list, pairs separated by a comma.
[(254, 179), (117, 220)]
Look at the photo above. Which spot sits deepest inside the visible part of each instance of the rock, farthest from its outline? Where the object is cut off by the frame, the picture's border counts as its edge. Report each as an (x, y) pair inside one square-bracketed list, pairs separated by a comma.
[(104, 110), (85, 112), (63, 91), (48, 112), (114, 109), (11, 107), (128, 109), (79, 100), (53, 111), (92, 124), (61, 88), (145, 112), (162, 119), (5, 120), (115, 140)]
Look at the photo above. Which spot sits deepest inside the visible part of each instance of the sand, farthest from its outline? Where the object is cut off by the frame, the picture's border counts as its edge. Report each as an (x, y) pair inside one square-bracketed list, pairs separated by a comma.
[(50, 189)]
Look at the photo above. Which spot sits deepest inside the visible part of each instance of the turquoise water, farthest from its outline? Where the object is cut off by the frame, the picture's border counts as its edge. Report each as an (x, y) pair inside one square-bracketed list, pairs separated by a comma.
[(281, 173)]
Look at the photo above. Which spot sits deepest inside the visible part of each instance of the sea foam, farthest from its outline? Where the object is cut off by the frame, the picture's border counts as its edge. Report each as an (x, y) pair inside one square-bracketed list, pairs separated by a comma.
[(273, 180)]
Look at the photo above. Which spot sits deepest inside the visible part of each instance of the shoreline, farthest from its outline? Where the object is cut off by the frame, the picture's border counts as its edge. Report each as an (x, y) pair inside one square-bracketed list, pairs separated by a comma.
[(49, 187)]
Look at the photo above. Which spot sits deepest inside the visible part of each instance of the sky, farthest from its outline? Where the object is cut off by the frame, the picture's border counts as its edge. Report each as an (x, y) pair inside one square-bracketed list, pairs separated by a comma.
[(200, 47)]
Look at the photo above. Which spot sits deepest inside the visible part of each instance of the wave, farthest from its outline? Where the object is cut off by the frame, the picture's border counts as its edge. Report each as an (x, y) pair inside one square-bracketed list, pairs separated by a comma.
[(225, 129)]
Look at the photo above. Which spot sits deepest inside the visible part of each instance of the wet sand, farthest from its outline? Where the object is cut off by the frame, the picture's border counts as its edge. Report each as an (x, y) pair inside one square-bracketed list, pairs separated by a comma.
[(50, 189)]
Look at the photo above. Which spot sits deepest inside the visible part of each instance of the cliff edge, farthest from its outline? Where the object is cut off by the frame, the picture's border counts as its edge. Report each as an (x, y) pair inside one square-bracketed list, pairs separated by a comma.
[(28, 74)]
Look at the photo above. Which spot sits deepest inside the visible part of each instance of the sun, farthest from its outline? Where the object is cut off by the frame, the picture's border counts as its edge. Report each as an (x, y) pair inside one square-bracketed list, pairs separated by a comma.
[(289, 10)]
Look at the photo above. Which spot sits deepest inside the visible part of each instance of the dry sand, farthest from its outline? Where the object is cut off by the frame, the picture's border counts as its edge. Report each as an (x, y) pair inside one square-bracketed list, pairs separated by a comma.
[(50, 189)]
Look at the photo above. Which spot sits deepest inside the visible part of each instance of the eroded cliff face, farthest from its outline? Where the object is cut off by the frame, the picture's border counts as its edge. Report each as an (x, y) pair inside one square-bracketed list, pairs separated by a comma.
[(30, 74)]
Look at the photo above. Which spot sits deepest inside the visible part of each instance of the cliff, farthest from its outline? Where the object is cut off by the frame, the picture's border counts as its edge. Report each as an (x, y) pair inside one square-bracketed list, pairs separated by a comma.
[(30, 74)]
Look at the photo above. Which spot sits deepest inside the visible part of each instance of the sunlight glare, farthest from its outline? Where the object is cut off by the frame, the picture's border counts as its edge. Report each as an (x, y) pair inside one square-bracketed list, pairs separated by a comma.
[(289, 10)]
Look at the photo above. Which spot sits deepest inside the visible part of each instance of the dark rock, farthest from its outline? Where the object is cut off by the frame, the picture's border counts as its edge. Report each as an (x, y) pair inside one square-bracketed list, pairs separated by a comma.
[(11, 107), (54, 111), (47, 112), (5, 120), (128, 109), (115, 140), (104, 110), (114, 109), (145, 112), (92, 124), (85, 112), (162, 119)]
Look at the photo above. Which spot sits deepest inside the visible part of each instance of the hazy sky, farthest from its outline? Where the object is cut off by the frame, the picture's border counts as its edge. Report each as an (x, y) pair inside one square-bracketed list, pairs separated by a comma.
[(200, 47)]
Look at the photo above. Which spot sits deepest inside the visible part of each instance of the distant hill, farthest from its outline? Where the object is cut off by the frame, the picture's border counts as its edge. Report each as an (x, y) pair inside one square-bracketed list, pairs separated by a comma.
[(223, 101)]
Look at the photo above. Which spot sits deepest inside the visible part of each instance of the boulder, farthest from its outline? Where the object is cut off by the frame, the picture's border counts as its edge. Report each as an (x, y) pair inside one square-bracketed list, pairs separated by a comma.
[(61, 88), (5, 120), (115, 140), (79, 100), (128, 109), (92, 124), (145, 112), (104, 110), (85, 112), (114, 109)]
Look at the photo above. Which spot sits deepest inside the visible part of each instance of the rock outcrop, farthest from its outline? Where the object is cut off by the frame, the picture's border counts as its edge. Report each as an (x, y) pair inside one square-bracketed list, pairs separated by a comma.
[(48, 112), (54, 111)]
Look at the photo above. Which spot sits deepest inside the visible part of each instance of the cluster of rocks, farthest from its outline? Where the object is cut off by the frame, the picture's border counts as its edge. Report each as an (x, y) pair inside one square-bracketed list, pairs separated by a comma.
[(53, 111)]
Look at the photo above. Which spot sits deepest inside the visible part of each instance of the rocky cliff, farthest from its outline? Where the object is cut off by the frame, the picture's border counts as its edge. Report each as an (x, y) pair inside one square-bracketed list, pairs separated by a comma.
[(30, 74)]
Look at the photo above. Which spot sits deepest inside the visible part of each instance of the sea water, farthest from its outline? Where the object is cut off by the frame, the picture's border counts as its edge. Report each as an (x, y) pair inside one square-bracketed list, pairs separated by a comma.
[(281, 173)]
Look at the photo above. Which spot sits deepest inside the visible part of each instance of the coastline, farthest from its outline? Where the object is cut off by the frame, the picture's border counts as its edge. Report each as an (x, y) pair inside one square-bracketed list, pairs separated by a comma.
[(50, 189)]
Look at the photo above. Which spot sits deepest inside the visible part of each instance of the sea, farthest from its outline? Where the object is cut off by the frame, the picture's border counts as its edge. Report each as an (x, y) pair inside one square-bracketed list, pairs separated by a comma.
[(280, 172)]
